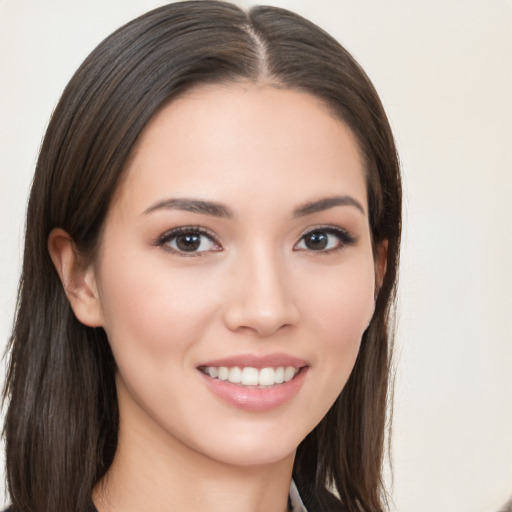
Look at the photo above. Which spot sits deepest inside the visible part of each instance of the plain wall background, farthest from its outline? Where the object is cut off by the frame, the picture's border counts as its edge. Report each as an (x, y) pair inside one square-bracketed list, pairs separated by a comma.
[(444, 72)]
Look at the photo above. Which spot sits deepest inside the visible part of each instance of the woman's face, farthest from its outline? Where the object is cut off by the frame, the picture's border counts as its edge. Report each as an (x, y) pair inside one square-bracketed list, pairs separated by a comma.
[(237, 247)]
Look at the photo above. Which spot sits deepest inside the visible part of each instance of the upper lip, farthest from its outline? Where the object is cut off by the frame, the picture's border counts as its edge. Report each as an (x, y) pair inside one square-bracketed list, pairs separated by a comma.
[(257, 361)]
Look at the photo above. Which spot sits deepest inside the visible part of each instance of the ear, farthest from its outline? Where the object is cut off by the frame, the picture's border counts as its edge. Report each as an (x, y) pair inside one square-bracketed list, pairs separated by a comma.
[(381, 261), (77, 277)]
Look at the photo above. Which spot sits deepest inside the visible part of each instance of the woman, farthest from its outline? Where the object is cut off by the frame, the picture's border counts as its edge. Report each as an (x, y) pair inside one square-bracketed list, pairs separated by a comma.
[(210, 266)]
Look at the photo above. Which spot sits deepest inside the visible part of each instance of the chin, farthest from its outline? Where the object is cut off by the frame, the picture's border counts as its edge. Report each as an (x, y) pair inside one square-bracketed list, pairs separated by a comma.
[(251, 456), (249, 448)]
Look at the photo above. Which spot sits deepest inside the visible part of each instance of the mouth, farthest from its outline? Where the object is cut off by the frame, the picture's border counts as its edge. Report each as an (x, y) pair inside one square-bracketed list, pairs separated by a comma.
[(254, 382), (249, 376)]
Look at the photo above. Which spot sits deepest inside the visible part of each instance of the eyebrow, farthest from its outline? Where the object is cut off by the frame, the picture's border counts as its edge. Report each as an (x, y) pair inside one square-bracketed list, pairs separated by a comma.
[(191, 205), (220, 210), (325, 204)]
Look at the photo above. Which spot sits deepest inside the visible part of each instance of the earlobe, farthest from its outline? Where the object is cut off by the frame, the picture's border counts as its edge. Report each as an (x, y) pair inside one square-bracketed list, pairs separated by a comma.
[(77, 277)]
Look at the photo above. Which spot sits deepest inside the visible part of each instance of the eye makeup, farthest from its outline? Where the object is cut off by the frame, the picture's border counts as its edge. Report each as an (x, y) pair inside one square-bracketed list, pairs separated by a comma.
[(325, 239), (188, 241)]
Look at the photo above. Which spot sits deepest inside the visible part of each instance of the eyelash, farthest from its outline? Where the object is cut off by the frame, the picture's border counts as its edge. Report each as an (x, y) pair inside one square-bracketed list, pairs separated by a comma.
[(164, 240), (344, 239)]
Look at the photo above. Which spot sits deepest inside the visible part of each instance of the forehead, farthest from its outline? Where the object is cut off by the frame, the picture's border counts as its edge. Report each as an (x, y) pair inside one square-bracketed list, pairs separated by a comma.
[(245, 138)]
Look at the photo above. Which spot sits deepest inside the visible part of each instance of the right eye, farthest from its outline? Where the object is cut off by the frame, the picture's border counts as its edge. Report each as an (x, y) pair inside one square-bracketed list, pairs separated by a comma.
[(189, 241)]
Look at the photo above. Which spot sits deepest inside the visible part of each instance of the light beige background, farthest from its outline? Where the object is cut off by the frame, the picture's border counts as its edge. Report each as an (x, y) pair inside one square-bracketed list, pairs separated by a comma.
[(444, 72)]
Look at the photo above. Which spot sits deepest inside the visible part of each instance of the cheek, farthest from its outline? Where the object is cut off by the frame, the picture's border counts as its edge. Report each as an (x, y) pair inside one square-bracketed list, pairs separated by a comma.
[(153, 307), (340, 309), (342, 301)]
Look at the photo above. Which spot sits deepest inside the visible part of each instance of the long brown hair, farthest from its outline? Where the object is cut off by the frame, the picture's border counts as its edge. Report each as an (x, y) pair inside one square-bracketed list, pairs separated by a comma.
[(62, 419)]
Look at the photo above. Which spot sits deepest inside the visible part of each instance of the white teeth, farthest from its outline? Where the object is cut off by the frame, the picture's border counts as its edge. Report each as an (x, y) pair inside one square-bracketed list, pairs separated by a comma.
[(250, 376), (235, 375), (223, 372), (279, 375), (267, 377), (289, 373)]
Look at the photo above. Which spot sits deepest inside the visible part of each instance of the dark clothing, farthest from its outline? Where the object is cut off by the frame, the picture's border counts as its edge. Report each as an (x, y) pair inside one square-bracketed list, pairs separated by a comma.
[(327, 503)]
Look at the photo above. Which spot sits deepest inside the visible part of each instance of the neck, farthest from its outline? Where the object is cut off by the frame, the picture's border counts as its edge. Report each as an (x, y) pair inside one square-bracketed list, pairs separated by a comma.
[(157, 472)]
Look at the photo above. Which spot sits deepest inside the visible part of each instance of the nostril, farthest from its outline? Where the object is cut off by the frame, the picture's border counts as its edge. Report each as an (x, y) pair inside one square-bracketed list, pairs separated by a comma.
[(259, 323)]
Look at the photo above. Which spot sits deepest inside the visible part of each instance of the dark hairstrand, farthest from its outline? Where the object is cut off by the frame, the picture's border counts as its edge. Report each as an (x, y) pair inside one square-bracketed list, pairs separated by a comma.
[(62, 419)]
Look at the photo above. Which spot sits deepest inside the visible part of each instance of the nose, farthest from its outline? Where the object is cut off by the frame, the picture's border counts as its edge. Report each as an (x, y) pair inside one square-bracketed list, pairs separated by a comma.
[(261, 300)]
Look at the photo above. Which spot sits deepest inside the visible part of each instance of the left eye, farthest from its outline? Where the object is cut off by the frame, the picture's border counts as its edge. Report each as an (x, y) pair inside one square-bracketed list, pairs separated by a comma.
[(189, 241), (324, 239)]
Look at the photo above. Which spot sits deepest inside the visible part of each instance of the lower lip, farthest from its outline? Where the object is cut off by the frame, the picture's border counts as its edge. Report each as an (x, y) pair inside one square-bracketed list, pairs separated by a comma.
[(254, 398)]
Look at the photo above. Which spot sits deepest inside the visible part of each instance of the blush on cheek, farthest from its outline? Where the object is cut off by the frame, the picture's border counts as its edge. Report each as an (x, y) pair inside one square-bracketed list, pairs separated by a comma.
[(350, 308), (152, 317)]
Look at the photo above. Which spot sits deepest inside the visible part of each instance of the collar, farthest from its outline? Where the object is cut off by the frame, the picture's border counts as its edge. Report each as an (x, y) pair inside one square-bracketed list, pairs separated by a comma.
[(295, 499)]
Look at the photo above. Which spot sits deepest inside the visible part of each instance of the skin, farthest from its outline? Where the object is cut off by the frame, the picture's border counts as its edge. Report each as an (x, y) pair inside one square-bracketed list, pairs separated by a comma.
[(255, 287)]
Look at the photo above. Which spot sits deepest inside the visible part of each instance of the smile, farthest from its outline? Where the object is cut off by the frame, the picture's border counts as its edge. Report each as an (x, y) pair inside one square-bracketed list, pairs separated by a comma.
[(249, 376), (253, 382)]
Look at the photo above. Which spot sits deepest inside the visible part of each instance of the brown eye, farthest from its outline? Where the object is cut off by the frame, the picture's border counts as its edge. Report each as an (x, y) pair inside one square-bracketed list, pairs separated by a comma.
[(316, 241), (324, 240), (188, 241)]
